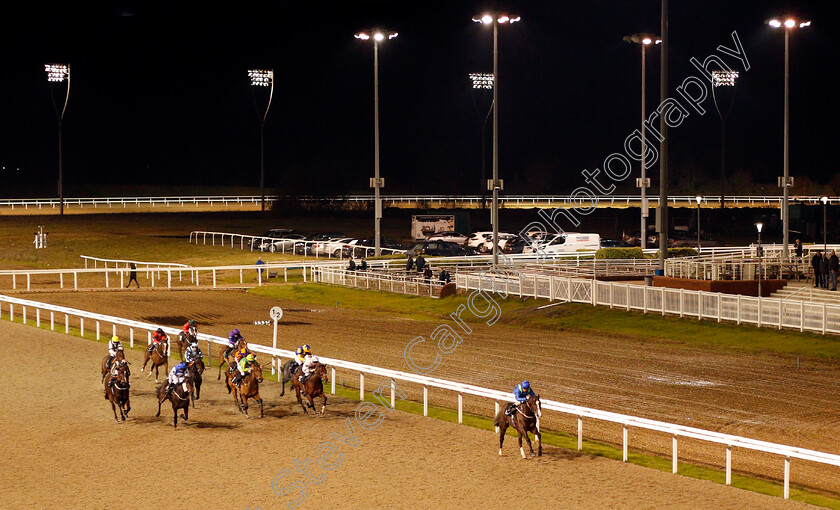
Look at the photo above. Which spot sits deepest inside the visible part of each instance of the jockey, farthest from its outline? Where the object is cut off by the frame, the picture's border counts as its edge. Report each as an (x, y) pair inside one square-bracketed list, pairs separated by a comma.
[(301, 354), (307, 368), (176, 377), (243, 367), (241, 353), (114, 346), (520, 393), (233, 338), (157, 337), (192, 353), (190, 329)]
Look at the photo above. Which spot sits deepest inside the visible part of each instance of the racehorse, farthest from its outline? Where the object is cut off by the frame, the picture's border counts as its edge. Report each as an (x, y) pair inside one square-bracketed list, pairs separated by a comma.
[(184, 341), (180, 398), (524, 421), (248, 388), (117, 393), (120, 356), (195, 369), (227, 359), (288, 373), (312, 387), (158, 357)]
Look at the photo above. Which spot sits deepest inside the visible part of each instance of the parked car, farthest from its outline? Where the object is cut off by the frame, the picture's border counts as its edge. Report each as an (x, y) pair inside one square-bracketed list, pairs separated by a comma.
[(276, 233), (452, 237), (691, 242), (365, 247), (290, 243), (613, 243), (440, 249), (326, 236), (339, 247), (567, 242), (483, 241)]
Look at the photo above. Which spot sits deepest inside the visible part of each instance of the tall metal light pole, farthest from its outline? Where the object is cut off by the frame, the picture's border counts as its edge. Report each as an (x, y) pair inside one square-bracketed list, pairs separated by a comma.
[(483, 81), (824, 201), (57, 73), (376, 183), (723, 79), (699, 199), (643, 40), (760, 253), (496, 184), (663, 145), (262, 78), (786, 182)]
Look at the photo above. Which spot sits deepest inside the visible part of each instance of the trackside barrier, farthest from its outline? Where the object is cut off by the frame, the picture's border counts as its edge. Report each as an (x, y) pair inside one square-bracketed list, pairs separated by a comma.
[(125, 263), (392, 282), (675, 431), (327, 249), (763, 312)]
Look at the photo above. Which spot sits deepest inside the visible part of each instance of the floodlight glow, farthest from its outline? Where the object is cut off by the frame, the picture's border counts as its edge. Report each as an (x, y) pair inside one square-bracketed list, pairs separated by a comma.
[(646, 40), (504, 19), (824, 200), (699, 199), (482, 80), (57, 72), (378, 36), (487, 19), (805, 24), (261, 77), (724, 78), (774, 23), (391, 36), (363, 36), (790, 23), (759, 226), (514, 20)]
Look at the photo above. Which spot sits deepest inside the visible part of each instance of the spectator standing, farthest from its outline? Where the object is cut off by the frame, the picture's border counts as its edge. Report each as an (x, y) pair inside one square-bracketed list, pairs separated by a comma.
[(351, 266), (363, 266), (824, 271), (132, 276), (260, 263), (833, 267), (797, 248), (444, 277), (815, 263), (420, 263), (409, 264), (427, 274)]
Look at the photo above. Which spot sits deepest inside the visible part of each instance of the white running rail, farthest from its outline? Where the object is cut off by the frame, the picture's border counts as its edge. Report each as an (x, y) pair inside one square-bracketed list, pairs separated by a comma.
[(627, 421)]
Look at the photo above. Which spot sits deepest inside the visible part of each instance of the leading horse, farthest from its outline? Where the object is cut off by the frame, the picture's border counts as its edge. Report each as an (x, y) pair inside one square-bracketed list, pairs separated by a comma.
[(312, 387), (106, 367), (179, 397), (117, 392), (226, 356), (248, 388), (525, 419), (184, 341), (159, 358)]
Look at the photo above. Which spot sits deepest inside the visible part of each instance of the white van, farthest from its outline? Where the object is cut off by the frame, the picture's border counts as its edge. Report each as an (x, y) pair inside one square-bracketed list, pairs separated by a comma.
[(567, 242)]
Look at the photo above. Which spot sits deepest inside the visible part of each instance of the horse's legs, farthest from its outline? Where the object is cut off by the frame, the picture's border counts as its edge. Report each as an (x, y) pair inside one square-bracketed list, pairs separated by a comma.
[(174, 414), (502, 430), (235, 392), (258, 399), (324, 405), (159, 403), (187, 412), (114, 408), (127, 406), (538, 436), (300, 401), (146, 358), (244, 403)]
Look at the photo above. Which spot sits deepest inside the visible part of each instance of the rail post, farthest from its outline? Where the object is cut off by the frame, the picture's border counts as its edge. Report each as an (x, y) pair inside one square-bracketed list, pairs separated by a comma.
[(729, 465), (82, 327), (580, 433), (425, 401), (28, 280), (674, 455), (460, 409), (332, 382), (97, 330), (787, 478), (52, 320), (214, 278), (66, 324), (361, 386), (625, 441), (38, 317), (24, 315), (131, 338)]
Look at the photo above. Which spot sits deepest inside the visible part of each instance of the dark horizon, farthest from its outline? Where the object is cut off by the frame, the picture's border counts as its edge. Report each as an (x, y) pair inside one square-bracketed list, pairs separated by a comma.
[(160, 95)]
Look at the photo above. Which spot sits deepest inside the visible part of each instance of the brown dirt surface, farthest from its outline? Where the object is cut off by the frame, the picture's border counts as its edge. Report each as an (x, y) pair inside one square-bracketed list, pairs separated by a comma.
[(62, 449), (762, 396)]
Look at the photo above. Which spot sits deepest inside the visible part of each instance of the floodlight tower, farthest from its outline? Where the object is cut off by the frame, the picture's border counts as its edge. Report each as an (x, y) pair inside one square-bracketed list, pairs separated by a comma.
[(262, 78), (58, 73), (786, 183), (495, 20), (643, 40), (378, 36), (722, 80)]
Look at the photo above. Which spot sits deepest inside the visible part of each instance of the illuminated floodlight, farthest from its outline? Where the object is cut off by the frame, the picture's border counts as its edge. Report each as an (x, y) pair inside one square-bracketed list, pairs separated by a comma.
[(805, 24), (482, 80), (824, 200), (774, 23), (790, 23), (724, 78), (759, 226), (57, 72), (378, 36), (514, 20), (391, 36), (363, 36), (647, 40), (699, 199), (503, 19), (261, 77)]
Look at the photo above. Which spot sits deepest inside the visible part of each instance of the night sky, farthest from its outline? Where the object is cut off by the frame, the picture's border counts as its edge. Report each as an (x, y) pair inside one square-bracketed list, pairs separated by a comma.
[(160, 93)]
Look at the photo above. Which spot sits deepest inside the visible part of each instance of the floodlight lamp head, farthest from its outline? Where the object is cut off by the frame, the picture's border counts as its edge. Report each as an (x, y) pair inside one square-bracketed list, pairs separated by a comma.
[(774, 23), (57, 72), (363, 36), (724, 78), (647, 40), (379, 36), (790, 23), (699, 199), (824, 200), (759, 226), (261, 77), (482, 80), (805, 24), (486, 19)]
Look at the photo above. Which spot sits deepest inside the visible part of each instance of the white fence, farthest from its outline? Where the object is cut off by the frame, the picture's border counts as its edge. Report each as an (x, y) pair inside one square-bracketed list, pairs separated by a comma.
[(763, 312), (125, 263), (413, 284), (627, 422), (168, 277), (398, 200), (324, 249)]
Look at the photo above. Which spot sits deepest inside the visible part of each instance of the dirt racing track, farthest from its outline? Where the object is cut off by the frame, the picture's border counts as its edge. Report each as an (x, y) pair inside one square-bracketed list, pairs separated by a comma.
[(63, 450)]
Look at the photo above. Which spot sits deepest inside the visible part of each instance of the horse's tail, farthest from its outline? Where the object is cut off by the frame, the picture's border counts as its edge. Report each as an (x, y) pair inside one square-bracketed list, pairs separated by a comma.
[(227, 383)]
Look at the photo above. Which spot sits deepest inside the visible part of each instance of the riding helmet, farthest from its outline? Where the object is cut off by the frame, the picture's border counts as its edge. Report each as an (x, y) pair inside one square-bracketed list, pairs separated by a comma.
[(115, 338), (159, 331), (306, 348), (251, 357), (299, 351), (192, 322), (526, 385), (235, 331)]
